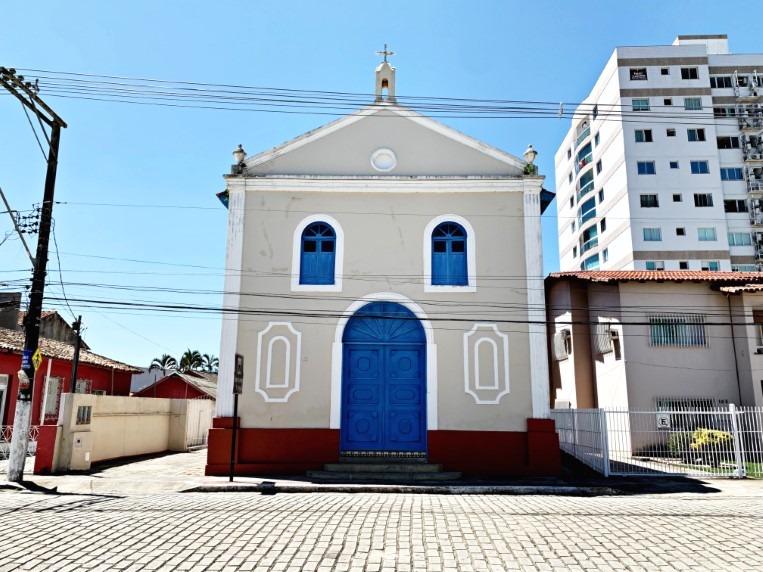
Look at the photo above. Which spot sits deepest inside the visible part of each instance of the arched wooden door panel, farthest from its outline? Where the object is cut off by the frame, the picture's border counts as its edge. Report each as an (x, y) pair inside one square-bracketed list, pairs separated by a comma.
[(383, 380)]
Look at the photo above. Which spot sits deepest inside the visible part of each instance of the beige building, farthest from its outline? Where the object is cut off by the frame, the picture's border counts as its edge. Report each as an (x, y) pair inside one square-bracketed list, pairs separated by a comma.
[(651, 340), (383, 275)]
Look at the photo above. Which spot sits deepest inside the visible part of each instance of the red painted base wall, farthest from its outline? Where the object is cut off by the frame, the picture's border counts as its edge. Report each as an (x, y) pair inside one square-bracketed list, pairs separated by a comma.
[(294, 451)]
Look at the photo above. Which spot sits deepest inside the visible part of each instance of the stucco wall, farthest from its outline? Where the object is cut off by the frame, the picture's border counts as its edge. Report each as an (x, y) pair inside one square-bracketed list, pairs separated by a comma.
[(384, 252)]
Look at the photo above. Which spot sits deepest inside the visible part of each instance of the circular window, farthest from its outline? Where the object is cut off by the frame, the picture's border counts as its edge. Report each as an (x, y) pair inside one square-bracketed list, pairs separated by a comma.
[(383, 159)]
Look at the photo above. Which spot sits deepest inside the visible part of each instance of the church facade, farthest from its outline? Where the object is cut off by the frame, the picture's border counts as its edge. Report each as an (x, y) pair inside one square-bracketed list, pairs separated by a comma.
[(384, 285)]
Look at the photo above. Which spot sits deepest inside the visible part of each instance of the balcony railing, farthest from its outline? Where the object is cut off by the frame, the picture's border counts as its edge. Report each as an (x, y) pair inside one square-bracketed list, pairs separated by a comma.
[(755, 185), (581, 137), (583, 162), (589, 244), (584, 190)]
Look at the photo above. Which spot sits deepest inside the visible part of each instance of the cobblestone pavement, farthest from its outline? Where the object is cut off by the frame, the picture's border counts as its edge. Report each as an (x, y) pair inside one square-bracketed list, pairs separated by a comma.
[(244, 531)]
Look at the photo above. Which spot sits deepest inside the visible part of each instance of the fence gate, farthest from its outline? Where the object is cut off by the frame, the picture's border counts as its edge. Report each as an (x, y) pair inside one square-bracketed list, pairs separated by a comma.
[(695, 442), (6, 433)]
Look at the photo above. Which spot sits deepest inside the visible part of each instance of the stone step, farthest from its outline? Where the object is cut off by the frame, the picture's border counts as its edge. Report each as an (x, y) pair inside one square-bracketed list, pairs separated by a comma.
[(388, 477), (382, 467), (377, 459)]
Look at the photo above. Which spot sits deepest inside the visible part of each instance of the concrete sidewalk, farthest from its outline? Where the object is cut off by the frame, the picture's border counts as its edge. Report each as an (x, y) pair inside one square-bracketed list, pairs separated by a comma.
[(176, 472)]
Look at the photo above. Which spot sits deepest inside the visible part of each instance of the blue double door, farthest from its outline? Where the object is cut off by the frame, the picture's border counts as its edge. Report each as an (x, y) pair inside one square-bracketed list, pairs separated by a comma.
[(384, 380)]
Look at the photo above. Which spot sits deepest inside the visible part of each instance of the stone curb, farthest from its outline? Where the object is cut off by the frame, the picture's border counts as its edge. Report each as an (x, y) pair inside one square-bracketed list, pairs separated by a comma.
[(407, 489)]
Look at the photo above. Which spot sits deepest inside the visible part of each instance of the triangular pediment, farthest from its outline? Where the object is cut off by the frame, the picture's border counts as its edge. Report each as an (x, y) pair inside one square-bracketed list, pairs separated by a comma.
[(369, 141)]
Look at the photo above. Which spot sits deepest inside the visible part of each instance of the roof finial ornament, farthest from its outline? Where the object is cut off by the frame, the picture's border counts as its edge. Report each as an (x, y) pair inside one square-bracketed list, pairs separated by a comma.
[(385, 78), (385, 53)]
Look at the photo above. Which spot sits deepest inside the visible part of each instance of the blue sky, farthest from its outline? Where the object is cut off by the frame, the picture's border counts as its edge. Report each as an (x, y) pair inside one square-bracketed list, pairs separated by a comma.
[(167, 163)]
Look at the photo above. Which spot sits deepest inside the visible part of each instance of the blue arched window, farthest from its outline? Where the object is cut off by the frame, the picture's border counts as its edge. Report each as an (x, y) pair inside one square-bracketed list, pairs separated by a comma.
[(318, 251), (449, 266)]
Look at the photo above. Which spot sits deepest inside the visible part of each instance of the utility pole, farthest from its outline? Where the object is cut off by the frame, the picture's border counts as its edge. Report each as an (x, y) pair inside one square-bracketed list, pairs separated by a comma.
[(75, 360), (27, 95)]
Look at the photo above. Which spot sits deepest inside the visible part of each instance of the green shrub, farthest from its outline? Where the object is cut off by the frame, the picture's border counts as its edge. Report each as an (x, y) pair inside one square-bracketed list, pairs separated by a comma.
[(679, 445), (712, 446)]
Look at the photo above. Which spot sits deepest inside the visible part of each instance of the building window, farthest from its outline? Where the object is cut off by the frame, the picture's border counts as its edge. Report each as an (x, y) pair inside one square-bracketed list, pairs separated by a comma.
[(720, 81), (728, 142), (683, 265), (638, 74), (318, 254), (680, 231), (649, 201), (569, 153), (740, 239), (731, 173), (744, 268), (572, 227), (587, 210), (692, 103), (674, 164), (595, 111), (640, 104), (572, 201), (677, 330), (655, 265), (710, 265), (670, 132), (601, 196), (678, 198), (603, 224), (664, 71), (605, 254), (735, 206), (689, 73), (590, 263), (703, 199), (596, 140), (724, 112), (569, 177), (707, 234), (449, 266), (695, 134), (598, 167), (699, 167), (574, 252), (645, 168), (643, 135), (652, 234), (667, 102)]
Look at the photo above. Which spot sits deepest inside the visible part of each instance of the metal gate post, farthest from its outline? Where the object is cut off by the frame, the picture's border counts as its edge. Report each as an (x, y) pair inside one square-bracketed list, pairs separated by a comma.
[(574, 434), (741, 471), (604, 441)]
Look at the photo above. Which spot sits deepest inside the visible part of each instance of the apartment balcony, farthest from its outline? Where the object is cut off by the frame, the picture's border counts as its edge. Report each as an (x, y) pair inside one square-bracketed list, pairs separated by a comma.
[(582, 136), (584, 190), (756, 218), (750, 93), (589, 244), (754, 185), (586, 160)]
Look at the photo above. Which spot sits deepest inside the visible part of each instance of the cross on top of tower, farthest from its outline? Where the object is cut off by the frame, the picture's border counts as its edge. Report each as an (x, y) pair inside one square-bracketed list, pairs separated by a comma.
[(385, 53)]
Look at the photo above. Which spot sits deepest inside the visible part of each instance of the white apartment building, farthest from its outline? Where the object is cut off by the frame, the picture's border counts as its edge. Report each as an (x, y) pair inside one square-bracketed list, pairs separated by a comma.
[(662, 168)]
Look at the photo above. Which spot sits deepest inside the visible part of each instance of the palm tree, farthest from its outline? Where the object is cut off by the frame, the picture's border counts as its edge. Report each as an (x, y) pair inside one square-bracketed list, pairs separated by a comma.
[(190, 360), (164, 363), (209, 363)]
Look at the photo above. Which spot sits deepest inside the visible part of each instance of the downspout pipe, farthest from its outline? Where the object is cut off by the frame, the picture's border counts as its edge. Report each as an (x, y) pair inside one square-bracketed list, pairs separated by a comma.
[(734, 346)]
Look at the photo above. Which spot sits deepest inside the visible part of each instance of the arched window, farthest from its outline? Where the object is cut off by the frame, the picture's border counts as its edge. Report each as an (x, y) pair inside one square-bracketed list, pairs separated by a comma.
[(449, 265), (317, 254)]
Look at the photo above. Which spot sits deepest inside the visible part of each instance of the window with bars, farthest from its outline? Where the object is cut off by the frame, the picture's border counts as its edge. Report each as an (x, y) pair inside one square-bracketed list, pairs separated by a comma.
[(677, 330)]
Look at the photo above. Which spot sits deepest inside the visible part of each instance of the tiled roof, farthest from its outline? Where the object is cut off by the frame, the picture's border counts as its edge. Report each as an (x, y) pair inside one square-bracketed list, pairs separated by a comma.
[(13, 341), (44, 314), (662, 276), (746, 288), (201, 380)]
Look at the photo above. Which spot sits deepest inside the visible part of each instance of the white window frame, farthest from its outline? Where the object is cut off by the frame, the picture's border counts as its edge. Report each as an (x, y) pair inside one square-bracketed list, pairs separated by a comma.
[(296, 257), (471, 255)]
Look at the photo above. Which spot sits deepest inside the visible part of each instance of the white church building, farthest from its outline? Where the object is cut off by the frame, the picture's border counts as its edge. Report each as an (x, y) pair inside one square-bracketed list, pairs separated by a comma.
[(385, 287)]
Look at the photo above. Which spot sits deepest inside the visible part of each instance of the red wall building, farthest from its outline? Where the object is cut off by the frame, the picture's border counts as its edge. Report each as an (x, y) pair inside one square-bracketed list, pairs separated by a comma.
[(187, 385), (95, 374)]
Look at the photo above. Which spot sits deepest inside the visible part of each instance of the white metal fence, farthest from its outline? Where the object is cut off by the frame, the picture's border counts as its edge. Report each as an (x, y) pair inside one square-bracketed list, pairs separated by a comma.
[(698, 442), (6, 433)]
